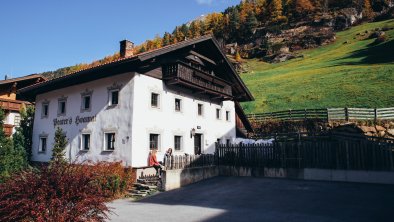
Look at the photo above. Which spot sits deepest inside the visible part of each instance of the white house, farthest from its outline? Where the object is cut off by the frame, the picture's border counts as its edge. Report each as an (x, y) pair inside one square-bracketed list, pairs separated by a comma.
[(184, 96)]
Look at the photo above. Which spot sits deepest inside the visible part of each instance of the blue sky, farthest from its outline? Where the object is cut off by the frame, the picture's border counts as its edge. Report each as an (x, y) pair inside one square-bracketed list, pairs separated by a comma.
[(44, 35)]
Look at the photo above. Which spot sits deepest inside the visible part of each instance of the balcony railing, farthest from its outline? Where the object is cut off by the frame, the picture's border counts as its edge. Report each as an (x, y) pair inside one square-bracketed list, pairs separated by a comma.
[(14, 105), (183, 74)]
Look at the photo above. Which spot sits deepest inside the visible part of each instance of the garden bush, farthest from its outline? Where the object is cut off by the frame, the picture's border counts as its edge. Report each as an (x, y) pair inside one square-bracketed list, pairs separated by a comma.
[(63, 192)]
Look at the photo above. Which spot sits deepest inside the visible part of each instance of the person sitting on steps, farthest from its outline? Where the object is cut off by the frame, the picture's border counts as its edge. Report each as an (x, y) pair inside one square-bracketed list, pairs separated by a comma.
[(153, 162), (167, 155)]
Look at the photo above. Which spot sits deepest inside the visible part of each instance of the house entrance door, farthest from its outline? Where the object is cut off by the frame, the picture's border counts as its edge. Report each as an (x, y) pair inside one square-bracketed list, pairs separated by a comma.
[(197, 143)]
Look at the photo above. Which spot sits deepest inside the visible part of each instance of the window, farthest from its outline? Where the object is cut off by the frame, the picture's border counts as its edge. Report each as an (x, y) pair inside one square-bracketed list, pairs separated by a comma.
[(85, 142), (177, 143), (17, 120), (61, 107), (178, 105), (153, 141), (227, 115), (109, 141), (200, 109), (45, 109), (218, 114), (218, 140), (227, 142), (114, 97), (86, 102), (154, 100), (43, 145)]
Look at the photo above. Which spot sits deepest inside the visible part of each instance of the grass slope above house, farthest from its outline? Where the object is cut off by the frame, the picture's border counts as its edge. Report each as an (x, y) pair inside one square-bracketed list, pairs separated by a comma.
[(352, 72)]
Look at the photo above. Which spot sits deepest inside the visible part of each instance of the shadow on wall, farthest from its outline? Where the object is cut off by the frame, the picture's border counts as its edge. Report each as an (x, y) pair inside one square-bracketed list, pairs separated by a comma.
[(374, 54)]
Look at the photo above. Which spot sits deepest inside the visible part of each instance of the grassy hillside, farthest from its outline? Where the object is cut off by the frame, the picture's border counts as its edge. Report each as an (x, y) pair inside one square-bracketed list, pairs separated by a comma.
[(352, 72)]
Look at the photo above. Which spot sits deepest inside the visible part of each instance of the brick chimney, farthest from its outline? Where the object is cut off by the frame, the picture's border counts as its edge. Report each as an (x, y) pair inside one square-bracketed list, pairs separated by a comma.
[(126, 48)]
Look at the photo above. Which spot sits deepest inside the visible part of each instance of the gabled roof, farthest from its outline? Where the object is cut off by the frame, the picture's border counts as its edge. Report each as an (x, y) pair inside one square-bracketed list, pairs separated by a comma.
[(131, 63), (20, 79)]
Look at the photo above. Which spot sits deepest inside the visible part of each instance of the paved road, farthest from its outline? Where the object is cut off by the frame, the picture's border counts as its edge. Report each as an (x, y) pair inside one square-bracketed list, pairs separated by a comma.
[(261, 199)]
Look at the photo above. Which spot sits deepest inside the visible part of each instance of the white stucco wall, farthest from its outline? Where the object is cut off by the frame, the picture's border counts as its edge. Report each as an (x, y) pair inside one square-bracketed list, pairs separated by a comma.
[(132, 120), (116, 119), (168, 123)]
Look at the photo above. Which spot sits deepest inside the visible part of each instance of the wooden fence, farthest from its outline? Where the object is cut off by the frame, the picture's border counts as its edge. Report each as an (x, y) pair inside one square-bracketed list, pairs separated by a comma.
[(189, 161), (327, 114), (322, 154)]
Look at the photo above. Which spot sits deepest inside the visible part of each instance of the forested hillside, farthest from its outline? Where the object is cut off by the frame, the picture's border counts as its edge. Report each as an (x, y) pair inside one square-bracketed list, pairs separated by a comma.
[(258, 27)]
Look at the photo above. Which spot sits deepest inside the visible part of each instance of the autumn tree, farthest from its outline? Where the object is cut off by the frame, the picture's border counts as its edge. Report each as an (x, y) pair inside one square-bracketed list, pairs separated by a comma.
[(194, 30), (276, 9), (367, 9)]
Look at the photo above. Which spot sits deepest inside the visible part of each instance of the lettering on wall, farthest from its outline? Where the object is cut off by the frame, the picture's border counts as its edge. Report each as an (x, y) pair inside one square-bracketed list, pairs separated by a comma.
[(69, 120)]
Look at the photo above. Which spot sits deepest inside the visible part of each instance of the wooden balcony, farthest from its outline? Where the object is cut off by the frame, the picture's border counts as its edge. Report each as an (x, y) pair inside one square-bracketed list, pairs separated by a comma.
[(8, 129), (13, 105), (198, 80)]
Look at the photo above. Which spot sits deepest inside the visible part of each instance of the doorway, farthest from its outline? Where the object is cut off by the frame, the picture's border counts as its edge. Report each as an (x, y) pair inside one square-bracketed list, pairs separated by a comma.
[(197, 143)]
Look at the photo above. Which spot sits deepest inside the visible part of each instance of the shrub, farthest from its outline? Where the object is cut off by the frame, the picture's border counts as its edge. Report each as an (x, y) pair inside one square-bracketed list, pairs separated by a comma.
[(56, 193), (380, 39), (63, 192), (112, 177)]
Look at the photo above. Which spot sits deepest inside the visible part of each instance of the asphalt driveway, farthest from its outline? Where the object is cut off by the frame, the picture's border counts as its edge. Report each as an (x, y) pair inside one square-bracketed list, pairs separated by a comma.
[(261, 199)]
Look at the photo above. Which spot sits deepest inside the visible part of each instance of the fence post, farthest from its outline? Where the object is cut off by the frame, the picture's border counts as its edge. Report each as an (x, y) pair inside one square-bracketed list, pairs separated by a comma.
[(375, 114), (328, 115), (305, 114), (346, 114), (347, 155)]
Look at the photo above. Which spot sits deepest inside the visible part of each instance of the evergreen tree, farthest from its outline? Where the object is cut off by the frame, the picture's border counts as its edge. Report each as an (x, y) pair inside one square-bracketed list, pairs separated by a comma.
[(166, 39), (26, 128), (234, 24), (59, 146), (12, 159), (249, 26)]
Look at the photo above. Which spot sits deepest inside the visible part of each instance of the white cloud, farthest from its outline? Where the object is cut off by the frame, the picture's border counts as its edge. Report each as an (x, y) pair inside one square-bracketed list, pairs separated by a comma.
[(204, 2)]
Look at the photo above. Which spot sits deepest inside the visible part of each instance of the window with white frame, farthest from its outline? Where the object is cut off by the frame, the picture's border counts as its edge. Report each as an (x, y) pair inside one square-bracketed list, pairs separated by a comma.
[(109, 141), (45, 110), (154, 141), (178, 103), (43, 144), (113, 97), (227, 115), (85, 141), (177, 143), (86, 102), (61, 109), (154, 101), (218, 114), (200, 109)]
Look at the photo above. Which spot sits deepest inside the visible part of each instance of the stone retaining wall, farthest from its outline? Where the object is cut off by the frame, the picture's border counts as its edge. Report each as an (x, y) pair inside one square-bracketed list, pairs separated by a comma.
[(173, 179), (381, 177)]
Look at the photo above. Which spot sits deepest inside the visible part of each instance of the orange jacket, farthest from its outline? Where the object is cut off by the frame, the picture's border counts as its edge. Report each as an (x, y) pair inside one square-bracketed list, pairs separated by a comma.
[(153, 160)]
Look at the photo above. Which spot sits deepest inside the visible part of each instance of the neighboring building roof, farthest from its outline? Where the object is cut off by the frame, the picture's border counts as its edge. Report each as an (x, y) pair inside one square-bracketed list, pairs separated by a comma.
[(124, 64), (33, 77)]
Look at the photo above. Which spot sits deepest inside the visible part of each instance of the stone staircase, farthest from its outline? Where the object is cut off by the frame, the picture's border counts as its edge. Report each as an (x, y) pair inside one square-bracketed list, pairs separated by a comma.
[(145, 185)]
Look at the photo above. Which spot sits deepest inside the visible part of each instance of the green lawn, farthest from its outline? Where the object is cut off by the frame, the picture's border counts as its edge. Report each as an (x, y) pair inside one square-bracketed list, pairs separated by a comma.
[(353, 74)]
